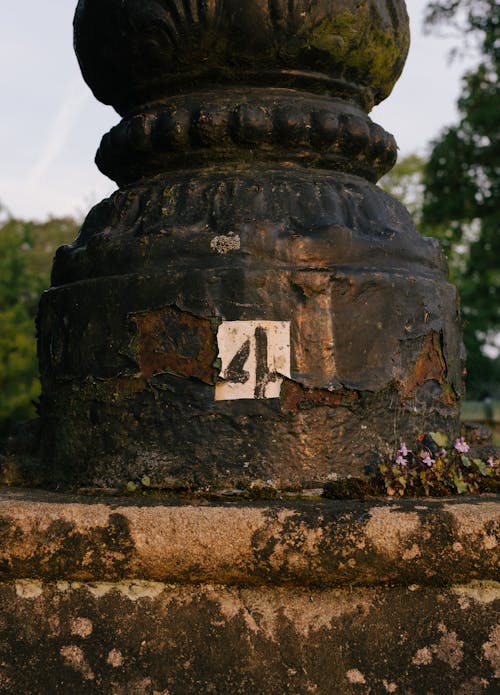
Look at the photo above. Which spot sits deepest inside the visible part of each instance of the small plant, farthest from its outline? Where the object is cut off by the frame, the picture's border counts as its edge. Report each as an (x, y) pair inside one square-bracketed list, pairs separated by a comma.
[(435, 468)]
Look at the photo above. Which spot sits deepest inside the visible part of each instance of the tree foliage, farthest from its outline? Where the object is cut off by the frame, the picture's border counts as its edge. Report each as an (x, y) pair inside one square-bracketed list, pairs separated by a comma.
[(462, 183), (26, 252)]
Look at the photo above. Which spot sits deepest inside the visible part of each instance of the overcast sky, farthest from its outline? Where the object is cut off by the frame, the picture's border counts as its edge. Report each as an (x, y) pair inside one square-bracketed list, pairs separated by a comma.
[(51, 125)]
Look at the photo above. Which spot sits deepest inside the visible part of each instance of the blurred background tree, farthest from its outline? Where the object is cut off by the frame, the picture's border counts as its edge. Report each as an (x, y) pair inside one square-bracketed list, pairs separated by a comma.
[(26, 253), (455, 194)]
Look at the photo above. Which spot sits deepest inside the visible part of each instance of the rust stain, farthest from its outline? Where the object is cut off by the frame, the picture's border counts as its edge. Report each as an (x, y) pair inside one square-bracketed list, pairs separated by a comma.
[(175, 341), (295, 397), (430, 365), (126, 387)]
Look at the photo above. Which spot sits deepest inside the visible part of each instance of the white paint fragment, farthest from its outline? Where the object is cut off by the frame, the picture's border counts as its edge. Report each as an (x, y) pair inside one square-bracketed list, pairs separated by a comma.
[(225, 243), (254, 355)]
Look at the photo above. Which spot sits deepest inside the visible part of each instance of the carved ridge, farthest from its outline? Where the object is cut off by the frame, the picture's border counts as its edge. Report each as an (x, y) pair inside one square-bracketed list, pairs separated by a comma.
[(313, 131)]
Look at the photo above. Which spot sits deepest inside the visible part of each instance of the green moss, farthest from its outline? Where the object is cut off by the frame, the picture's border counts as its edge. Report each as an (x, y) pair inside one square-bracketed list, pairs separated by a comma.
[(362, 51), (352, 488), (335, 36)]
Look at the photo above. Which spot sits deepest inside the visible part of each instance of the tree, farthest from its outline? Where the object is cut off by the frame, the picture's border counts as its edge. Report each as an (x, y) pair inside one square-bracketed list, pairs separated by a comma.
[(406, 182), (462, 185), (26, 252)]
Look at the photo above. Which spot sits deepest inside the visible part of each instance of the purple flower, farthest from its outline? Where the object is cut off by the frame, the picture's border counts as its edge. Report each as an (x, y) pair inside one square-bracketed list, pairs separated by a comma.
[(428, 460), (489, 461), (442, 452), (403, 450), (461, 445), (400, 460)]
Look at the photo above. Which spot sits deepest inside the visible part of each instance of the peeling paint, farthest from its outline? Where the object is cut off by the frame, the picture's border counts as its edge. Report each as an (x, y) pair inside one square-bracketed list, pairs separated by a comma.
[(175, 341), (430, 365), (295, 397)]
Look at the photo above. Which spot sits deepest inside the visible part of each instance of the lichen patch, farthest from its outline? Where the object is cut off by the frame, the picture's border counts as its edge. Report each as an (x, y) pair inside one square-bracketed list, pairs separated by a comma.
[(356, 677), (225, 243), (471, 519), (423, 657), (74, 657), (81, 627), (480, 592), (491, 650), (30, 589), (449, 648), (388, 530), (115, 658)]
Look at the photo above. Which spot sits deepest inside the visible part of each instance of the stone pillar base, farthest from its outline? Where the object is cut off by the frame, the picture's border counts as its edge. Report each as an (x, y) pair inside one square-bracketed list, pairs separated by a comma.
[(142, 596)]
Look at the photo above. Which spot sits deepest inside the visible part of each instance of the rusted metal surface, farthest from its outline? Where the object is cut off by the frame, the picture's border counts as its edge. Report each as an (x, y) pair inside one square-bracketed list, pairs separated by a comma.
[(430, 365), (170, 340), (295, 397)]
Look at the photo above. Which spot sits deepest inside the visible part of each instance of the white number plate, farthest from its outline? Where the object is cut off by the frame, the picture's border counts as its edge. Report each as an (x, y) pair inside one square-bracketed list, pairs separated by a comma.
[(255, 356)]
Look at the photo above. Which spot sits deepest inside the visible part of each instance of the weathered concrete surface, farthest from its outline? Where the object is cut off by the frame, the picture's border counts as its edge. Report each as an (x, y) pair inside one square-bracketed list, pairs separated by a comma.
[(150, 638), (137, 596)]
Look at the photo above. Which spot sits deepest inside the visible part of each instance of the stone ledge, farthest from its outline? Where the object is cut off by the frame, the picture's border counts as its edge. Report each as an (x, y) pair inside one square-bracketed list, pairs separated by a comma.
[(154, 639), (306, 543)]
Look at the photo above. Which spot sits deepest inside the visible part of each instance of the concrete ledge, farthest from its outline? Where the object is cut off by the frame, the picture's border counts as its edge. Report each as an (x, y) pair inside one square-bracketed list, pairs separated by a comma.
[(46, 536)]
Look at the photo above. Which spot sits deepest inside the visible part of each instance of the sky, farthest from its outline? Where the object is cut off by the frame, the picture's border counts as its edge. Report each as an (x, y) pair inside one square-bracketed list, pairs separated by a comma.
[(51, 125)]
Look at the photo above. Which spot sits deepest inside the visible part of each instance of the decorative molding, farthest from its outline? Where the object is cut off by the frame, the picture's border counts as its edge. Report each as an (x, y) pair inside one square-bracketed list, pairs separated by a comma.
[(133, 51), (253, 124)]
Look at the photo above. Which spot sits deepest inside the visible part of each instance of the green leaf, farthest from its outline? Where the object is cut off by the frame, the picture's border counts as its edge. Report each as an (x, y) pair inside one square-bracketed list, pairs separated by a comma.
[(145, 480), (131, 486), (465, 461), (460, 485), (482, 467), (440, 438)]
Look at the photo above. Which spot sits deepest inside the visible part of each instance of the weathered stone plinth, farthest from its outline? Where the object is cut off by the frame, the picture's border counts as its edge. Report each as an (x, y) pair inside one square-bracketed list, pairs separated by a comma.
[(249, 306), (140, 597)]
